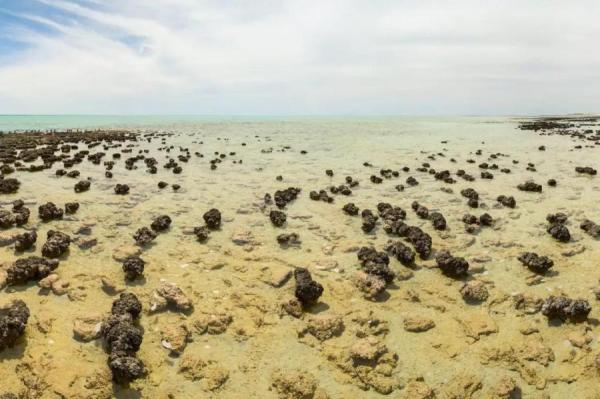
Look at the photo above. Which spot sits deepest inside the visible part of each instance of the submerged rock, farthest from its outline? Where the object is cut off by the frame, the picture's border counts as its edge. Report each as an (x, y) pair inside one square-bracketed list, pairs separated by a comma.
[(590, 228), (283, 197), (212, 219), (169, 295), (587, 170), (507, 201), (474, 291), (25, 241), (133, 267), (350, 209), (278, 218), (536, 263), (369, 284), (288, 239), (31, 268), (71, 207), (144, 236), (122, 189), (81, 186), (13, 320), (161, 223), (450, 265), (530, 186), (9, 186), (202, 233)]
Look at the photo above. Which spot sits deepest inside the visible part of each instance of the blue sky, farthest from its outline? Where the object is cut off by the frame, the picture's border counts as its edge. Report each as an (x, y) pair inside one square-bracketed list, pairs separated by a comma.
[(408, 57)]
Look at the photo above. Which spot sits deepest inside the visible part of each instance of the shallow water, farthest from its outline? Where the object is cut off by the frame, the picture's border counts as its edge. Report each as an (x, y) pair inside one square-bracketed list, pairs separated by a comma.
[(224, 278)]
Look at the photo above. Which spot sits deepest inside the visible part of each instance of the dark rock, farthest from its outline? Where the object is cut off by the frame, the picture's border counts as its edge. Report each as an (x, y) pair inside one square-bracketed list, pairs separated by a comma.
[(376, 263), (390, 213), (13, 320), (133, 267), (586, 170), (535, 263), (307, 290), (57, 243), (560, 232), (350, 209), (21, 216), (18, 205), (7, 219), (530, 186), (507, 201), (555, 218), (563, 308), (278, 218), (288, 239), (591, 228), (403, 253), (81, 186), (369, 220), (25, 240), (71, 207), (470, 193), (49, 211), (438, 220), (122, 189), (9, 186), (411, 181), (161, 223), (201, 233), (450, 265), (420, 240), (126, 368), (123, 339), (212, 219), (144, 236), (420, 210), (284, 197), (127, 303), (31, 268), (486, 220)]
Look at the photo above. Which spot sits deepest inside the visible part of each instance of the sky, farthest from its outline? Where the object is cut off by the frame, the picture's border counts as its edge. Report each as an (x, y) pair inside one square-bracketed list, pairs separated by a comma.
[(339, 57)]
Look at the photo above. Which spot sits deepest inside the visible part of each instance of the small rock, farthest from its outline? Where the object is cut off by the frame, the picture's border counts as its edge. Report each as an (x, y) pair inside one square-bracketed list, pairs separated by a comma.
[(125, 251), (87, 328), (175, 338), (418, 324), (323, 327)]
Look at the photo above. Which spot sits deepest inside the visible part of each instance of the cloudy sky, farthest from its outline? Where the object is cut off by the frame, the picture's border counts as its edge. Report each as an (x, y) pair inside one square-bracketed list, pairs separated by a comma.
[(299, 57)]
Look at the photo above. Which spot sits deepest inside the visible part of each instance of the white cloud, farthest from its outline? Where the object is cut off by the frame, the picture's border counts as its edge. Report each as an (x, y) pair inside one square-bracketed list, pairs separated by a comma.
[(300, 57)]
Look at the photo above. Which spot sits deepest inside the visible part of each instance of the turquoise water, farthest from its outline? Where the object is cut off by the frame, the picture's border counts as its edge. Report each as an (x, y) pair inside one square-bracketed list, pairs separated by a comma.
[(45, 122), (74, 122)]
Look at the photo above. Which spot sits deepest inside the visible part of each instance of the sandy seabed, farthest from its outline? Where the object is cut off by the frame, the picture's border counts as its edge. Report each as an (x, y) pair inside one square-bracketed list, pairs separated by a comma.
[(245, 335)]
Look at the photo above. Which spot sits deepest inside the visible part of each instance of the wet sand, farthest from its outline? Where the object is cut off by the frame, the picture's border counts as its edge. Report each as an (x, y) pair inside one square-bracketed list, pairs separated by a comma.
[(418, 339)]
